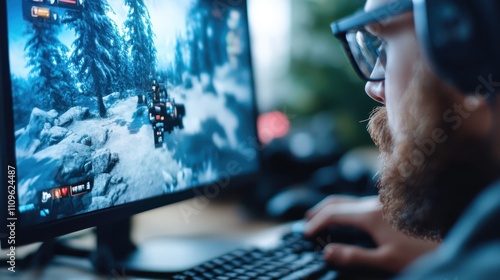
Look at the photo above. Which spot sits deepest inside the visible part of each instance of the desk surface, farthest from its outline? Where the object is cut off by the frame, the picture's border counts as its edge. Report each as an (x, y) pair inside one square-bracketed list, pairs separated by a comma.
[(224, 219)]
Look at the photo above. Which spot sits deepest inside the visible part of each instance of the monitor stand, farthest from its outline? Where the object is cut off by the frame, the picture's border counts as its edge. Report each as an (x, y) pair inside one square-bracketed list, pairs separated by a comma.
[(155, 258), (116, 254)]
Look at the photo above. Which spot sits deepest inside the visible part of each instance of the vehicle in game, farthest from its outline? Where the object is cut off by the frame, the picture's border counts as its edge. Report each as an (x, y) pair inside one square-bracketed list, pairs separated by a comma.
[(164, 114)]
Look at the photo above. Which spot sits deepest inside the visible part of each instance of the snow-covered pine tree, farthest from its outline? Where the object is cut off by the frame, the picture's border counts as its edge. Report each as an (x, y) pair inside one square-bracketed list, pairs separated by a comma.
[(209, 52), (53, 82), (194, 42), (140, 38), (179, 64), (204, 39), (123, 64), (23, 100), (96, 38)]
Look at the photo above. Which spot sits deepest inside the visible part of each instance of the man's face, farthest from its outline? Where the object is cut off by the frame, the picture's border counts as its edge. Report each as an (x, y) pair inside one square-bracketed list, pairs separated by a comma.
[(432, 167)]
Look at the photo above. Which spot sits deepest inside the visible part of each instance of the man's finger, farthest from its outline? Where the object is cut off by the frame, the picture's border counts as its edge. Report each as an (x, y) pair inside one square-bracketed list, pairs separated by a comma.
[(334, 214), (350, 255), (326, 202)]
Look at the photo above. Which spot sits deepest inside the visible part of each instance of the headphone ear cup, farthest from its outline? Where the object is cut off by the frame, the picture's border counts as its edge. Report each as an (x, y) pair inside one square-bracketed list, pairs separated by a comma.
[(459, 39)]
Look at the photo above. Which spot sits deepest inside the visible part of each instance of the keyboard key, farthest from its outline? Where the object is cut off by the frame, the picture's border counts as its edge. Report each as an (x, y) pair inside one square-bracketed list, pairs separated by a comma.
[(306, 272), (239, 270), (208, 275), (231, 275), (218, 271), (252, 274), (275, 274)]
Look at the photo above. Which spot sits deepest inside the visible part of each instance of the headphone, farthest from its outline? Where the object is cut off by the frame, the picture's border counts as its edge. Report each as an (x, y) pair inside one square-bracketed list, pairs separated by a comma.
[(461, 39)]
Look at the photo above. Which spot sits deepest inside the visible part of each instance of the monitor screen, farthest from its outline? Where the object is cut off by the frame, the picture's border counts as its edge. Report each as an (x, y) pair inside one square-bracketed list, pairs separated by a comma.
[(115, 103)]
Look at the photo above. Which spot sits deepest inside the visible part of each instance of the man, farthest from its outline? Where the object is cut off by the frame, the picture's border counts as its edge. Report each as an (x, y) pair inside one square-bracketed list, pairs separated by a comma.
[(439, 145)]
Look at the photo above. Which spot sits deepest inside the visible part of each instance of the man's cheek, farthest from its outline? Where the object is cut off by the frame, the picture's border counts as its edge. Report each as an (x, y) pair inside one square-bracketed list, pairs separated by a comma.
[(393, 122)]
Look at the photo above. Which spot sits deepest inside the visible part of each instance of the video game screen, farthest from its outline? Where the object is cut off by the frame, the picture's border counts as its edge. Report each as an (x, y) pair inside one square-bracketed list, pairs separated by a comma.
[(120, 100)]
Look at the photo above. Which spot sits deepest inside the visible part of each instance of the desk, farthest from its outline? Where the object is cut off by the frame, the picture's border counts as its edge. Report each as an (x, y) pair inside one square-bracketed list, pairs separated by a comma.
[(224, 219)]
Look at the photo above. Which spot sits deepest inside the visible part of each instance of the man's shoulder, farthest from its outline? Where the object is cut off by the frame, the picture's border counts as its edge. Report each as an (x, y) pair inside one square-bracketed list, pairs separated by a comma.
[(472, 248), (479, 262)]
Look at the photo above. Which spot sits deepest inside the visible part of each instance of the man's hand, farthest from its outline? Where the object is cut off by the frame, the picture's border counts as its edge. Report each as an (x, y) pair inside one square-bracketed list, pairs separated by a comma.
[(395, 250)]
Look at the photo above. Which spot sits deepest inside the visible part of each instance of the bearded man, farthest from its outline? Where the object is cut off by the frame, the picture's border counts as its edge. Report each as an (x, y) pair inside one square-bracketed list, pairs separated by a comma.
[(439, 138)]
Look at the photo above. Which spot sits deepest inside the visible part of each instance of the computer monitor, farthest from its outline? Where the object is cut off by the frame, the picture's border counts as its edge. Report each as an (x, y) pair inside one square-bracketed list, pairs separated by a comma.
[(113, 107)]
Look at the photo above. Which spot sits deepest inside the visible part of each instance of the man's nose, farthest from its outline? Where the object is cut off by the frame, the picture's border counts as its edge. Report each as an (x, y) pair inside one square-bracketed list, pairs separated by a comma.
[(376, 90)]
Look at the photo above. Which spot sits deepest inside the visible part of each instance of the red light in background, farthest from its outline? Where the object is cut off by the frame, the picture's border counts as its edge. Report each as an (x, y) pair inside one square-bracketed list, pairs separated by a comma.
[(272, 125)]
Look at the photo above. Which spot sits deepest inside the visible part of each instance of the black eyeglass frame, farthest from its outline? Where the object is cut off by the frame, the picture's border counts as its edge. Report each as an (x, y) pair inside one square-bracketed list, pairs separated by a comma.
[(341, 27)]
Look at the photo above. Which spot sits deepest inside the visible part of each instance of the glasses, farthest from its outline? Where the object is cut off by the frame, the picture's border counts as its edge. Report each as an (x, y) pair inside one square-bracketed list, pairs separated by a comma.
[(366, 51)]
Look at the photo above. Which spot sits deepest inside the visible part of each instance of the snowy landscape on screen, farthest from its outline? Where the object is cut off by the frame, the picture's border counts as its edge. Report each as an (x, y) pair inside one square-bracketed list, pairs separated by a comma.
[(80, 88)]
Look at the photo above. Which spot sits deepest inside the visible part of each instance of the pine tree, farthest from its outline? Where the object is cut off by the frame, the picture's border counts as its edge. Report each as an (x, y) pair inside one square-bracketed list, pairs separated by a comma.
[(179, 65), (23, 100), (194, 41), (123, 67), (47, 57), (209, 60), (203, 37), (96, 37), (140, 36)]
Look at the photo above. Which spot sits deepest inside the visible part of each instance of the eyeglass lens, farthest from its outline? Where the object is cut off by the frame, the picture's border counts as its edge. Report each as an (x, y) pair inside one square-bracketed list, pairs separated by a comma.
[(368, 52)]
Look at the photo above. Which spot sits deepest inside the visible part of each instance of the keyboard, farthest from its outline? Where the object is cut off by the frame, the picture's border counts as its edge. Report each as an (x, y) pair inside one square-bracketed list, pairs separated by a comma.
[(294, 258)]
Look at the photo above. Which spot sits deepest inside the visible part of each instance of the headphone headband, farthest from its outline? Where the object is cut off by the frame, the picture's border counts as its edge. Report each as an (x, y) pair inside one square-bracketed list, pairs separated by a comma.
[(461, 39)]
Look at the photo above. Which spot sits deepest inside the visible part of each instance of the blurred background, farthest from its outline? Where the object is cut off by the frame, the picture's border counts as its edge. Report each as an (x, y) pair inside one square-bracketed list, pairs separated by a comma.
[(301, 68), (313, 107)]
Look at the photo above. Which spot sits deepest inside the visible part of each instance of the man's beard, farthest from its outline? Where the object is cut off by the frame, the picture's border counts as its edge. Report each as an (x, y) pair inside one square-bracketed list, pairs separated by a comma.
[(426, 183)]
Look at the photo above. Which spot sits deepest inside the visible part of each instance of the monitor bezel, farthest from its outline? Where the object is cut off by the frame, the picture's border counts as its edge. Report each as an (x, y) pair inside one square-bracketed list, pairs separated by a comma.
[(49, 230)]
